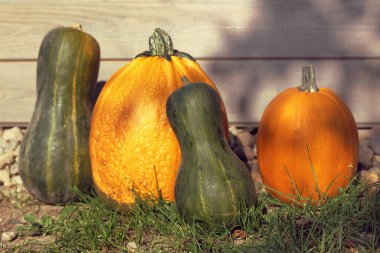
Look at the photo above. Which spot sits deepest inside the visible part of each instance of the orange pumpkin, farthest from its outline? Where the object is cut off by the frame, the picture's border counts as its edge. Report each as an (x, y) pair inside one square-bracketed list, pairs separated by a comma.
[(133, 149), (307, 143)]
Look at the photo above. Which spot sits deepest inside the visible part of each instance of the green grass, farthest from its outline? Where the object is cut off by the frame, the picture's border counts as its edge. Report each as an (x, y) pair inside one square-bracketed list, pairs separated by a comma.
[(351, 220)]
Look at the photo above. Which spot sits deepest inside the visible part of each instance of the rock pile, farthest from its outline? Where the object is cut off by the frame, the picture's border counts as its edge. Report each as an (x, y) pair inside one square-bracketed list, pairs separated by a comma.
[(10, 140), (242, 141)]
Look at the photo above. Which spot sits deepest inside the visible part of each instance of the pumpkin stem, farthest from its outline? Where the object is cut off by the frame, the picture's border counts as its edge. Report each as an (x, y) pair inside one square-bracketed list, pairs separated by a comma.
[(308, 80), (161, 44)]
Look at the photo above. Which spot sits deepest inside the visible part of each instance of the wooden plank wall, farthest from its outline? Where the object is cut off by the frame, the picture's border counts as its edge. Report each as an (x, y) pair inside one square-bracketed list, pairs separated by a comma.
[(251, 49)]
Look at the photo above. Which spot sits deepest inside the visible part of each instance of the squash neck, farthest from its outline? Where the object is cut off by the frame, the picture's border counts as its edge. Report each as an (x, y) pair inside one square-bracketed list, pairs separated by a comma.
[(201, 145), (308, 80)]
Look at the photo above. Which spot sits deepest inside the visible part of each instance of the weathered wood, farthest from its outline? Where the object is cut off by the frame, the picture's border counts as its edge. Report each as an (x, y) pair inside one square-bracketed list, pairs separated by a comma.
[(246, 86), (252, 49), (206, 29)]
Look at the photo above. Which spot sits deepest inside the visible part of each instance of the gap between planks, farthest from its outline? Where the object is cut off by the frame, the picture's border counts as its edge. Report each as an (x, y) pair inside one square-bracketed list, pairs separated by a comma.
[(322, 58)]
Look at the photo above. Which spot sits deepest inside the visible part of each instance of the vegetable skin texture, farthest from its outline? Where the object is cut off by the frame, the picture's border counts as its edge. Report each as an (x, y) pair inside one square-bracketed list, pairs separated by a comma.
[(307, 143), (133, 148)]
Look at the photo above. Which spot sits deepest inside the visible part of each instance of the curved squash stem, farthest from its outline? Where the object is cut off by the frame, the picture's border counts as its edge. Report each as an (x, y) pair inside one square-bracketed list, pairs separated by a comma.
[(308, 80), (160, 43), (78, 27)]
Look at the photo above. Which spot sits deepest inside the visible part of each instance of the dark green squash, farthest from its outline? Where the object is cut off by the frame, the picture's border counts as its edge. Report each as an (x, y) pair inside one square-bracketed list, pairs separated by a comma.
[(54, 155), (213, 185)]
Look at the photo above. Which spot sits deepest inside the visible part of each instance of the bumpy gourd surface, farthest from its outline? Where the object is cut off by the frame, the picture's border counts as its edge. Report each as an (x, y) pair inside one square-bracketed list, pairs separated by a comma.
[(132, 145), (296, 121)]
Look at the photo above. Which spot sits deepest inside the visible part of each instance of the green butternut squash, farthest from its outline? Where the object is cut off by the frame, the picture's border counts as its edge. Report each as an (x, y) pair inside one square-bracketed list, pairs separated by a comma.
[(54, 155), (213, 185)]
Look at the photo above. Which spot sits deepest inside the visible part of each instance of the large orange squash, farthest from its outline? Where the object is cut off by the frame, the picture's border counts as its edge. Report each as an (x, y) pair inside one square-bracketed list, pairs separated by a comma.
[(133, 149), (307, 143)]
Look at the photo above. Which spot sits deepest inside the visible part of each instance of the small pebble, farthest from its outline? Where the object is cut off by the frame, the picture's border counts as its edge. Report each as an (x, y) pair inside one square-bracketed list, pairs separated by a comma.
[(6, 159), (16, 151), (8, 236), (376, 161), (374, 139), (12, 134), (245, 139), (16, 179), (236, 130), (365, 155), (13, 170), (132, 246), (3, 145), (368, 177), (4, 177), (375, 170), (363, 134), (255, 150)]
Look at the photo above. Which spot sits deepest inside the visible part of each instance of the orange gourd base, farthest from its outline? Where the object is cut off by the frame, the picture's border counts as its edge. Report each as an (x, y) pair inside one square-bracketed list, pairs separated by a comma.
[(132, 146), (307, 142)]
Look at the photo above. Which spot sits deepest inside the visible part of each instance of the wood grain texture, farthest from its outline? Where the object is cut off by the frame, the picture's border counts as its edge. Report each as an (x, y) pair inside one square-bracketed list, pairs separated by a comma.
[(252, 49), (246, 86), (205, 29)]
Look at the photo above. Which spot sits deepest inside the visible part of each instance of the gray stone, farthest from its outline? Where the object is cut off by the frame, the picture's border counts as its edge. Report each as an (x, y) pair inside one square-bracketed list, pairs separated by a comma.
[(368, 178), (236, 130), (365, 155), (363, 134), (6, 159), (245, 139), (374, 139), (12, 133), (375, 170), (376, 161), (16, 179), (11, 144), (16, 151), (8, 236), (13, 170), (3, 145), (248, 153), (5, 178), (132, 246), (365, 143)]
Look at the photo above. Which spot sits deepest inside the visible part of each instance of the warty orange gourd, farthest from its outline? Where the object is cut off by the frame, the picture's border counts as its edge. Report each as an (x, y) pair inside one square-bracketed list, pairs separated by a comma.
[(132, 146)]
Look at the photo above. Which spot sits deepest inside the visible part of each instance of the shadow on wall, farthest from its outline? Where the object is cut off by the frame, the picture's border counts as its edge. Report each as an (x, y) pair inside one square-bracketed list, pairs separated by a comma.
[(338, 38)]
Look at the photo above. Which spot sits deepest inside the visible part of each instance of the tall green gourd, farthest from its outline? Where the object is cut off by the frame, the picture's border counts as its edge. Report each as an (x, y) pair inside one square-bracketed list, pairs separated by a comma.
[(213, 186), (54, 155)]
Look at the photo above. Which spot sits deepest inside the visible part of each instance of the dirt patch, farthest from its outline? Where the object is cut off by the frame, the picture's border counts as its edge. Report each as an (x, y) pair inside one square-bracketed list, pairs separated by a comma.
[(15, 203)]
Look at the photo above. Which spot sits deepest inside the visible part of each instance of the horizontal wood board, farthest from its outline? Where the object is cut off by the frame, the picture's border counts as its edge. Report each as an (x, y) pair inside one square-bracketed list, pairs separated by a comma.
[(252, 49), (211, 29), (246, 86)]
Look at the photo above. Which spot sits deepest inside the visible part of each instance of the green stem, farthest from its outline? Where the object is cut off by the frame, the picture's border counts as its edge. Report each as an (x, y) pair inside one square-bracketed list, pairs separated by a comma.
[(160, 43), (308, 80)]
